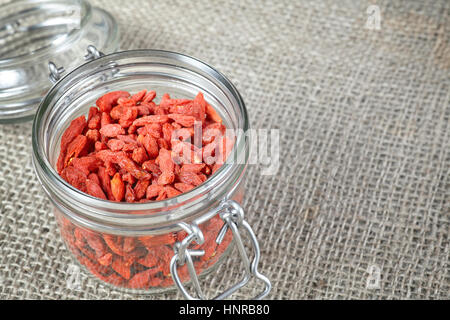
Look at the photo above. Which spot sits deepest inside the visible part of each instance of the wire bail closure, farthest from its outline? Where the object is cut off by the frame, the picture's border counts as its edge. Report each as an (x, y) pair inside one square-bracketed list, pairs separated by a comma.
[(233, 216)]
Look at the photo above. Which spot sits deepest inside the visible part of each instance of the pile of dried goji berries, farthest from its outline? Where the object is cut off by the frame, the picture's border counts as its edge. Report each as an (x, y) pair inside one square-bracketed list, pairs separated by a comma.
[(132, 149), (146, 148)]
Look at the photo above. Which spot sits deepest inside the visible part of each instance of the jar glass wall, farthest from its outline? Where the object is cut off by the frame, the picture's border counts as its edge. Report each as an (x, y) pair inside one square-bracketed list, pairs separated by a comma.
[(130, 245)]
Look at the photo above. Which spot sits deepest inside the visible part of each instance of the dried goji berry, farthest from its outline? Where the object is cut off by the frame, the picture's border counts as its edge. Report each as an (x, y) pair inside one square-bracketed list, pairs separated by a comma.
[(142, 279), (193, 167), (149, 96), (166, 177), (183, 134), (135, 254), (129, 244), (112, 130), (138, 96), (202, 177), (86, 164), (129, 138), (139, 155), (165, 255), (129, 193), (106, 102), (199, 107), (116, 112), (151, 146), (75, 148), (171, 191), (106, 119), (167, 131), (184, 120), (93, 135), (126, 102), (110, 168), (128, 116), (165, 161), (122, 267), (161, 195), (96, 268), (151, 166), (128, 177), (163, 144), (212, 114), (95, 242), (185, 152), (212, 132), (75, 177), (184, 187), (94, 189), (115, 144), (94, 118), (126, 163), (140, 188), (166, 101), (150, 119), (186, 109), (75, 128), (209, 153), (113, 244), (153, 191), (129, 147), (155, 281), (105, 182), (151, 259), (106, 259), (158, 240), (190, 178), (117, 187), (100, 146)]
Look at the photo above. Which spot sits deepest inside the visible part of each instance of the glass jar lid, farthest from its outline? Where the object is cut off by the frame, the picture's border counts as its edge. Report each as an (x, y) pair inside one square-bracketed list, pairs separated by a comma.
[(35, 32)]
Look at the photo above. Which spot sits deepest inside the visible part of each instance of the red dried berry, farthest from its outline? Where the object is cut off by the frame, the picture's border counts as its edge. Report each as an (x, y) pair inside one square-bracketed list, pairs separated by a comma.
[(112, 130), (185, 121), (117, 187), (106, 102)]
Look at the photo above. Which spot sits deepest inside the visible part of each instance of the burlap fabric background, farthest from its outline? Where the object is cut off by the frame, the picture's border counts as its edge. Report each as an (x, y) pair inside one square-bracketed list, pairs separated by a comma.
[(363, 184)]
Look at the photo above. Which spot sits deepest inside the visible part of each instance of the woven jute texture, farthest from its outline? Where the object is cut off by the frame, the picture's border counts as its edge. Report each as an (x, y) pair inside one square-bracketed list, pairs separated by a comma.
[(362, 192)]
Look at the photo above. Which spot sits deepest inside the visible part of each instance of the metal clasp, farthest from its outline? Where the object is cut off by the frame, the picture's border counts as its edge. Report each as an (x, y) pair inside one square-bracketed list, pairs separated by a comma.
[(92, 53), (233, 216), (56, 72)]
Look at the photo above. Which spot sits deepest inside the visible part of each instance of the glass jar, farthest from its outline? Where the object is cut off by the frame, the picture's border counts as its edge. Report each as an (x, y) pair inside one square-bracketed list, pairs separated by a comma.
[(34, 32), (148, 246)]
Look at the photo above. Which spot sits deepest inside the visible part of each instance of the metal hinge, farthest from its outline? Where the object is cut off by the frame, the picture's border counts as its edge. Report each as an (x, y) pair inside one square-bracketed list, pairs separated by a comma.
[(56, 72)]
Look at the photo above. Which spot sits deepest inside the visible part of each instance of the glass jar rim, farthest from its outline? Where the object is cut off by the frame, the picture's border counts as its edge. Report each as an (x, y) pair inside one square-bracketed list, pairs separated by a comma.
[(162, 209), (85, 14)]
